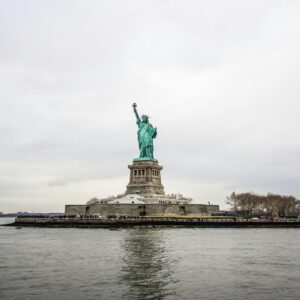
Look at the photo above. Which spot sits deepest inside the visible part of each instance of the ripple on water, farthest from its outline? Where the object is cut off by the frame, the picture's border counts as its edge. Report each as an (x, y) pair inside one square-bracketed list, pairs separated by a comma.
[(149, 263)]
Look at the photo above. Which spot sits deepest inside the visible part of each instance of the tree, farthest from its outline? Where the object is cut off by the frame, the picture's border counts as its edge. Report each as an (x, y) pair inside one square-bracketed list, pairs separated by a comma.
[(271, 204)]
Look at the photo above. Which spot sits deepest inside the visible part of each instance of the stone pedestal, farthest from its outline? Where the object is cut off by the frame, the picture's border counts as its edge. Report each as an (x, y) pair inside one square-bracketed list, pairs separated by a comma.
[(145, 178)]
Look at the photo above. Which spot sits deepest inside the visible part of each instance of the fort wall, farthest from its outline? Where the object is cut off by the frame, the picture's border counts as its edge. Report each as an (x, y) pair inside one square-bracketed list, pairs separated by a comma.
[(135, 210)]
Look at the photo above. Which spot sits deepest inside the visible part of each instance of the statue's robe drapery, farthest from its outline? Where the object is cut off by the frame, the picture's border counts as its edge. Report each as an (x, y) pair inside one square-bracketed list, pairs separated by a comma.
[(146, 134)]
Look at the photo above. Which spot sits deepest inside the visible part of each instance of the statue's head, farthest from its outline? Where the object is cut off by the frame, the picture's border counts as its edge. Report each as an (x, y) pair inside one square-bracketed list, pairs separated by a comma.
[(145, 118)]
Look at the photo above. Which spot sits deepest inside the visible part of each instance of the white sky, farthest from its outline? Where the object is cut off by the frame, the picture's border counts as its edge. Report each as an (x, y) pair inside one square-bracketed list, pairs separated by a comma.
[(220, 80)]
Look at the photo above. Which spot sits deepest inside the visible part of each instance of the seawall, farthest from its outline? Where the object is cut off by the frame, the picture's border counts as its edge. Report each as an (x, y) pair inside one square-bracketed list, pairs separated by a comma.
[(109, 223)]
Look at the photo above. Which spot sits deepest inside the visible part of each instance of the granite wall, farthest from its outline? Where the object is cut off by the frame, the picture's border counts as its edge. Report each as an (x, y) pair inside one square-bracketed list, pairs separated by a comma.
[(134, 210)]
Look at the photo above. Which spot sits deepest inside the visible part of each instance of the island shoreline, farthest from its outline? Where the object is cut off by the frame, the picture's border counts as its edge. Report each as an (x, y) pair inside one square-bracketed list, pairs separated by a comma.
[(163, 222)]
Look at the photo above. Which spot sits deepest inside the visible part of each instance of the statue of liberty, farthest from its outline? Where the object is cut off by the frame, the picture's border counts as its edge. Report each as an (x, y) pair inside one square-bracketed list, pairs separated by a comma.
[(146, 134)]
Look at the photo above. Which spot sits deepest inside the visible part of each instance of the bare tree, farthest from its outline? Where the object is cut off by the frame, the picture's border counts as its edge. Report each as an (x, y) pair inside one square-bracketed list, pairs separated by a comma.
[(271, 204)]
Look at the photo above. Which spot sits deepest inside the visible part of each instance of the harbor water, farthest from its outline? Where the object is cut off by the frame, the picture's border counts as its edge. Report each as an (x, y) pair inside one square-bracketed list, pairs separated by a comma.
[(149, 263)]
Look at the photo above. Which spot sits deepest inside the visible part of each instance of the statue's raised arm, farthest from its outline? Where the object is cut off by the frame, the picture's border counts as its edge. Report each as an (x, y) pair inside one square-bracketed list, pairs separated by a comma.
[(136, 113)]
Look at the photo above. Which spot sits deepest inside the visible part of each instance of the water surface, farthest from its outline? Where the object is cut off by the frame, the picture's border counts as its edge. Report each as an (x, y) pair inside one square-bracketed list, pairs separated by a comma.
[(149, 263)]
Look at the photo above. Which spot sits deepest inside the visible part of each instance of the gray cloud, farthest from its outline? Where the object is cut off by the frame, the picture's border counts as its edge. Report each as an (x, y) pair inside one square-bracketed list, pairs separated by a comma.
[(219, 80)]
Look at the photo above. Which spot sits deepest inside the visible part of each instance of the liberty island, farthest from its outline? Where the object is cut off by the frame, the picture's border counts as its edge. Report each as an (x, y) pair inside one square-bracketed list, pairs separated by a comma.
[(144, 195), (144, 202)]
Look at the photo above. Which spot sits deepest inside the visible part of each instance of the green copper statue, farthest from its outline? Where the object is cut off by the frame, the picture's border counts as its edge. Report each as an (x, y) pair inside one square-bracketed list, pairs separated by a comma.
[(146, 134)]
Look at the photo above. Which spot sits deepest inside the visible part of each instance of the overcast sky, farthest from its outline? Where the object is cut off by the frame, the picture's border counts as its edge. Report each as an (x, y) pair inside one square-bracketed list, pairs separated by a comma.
[(219, 79)]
